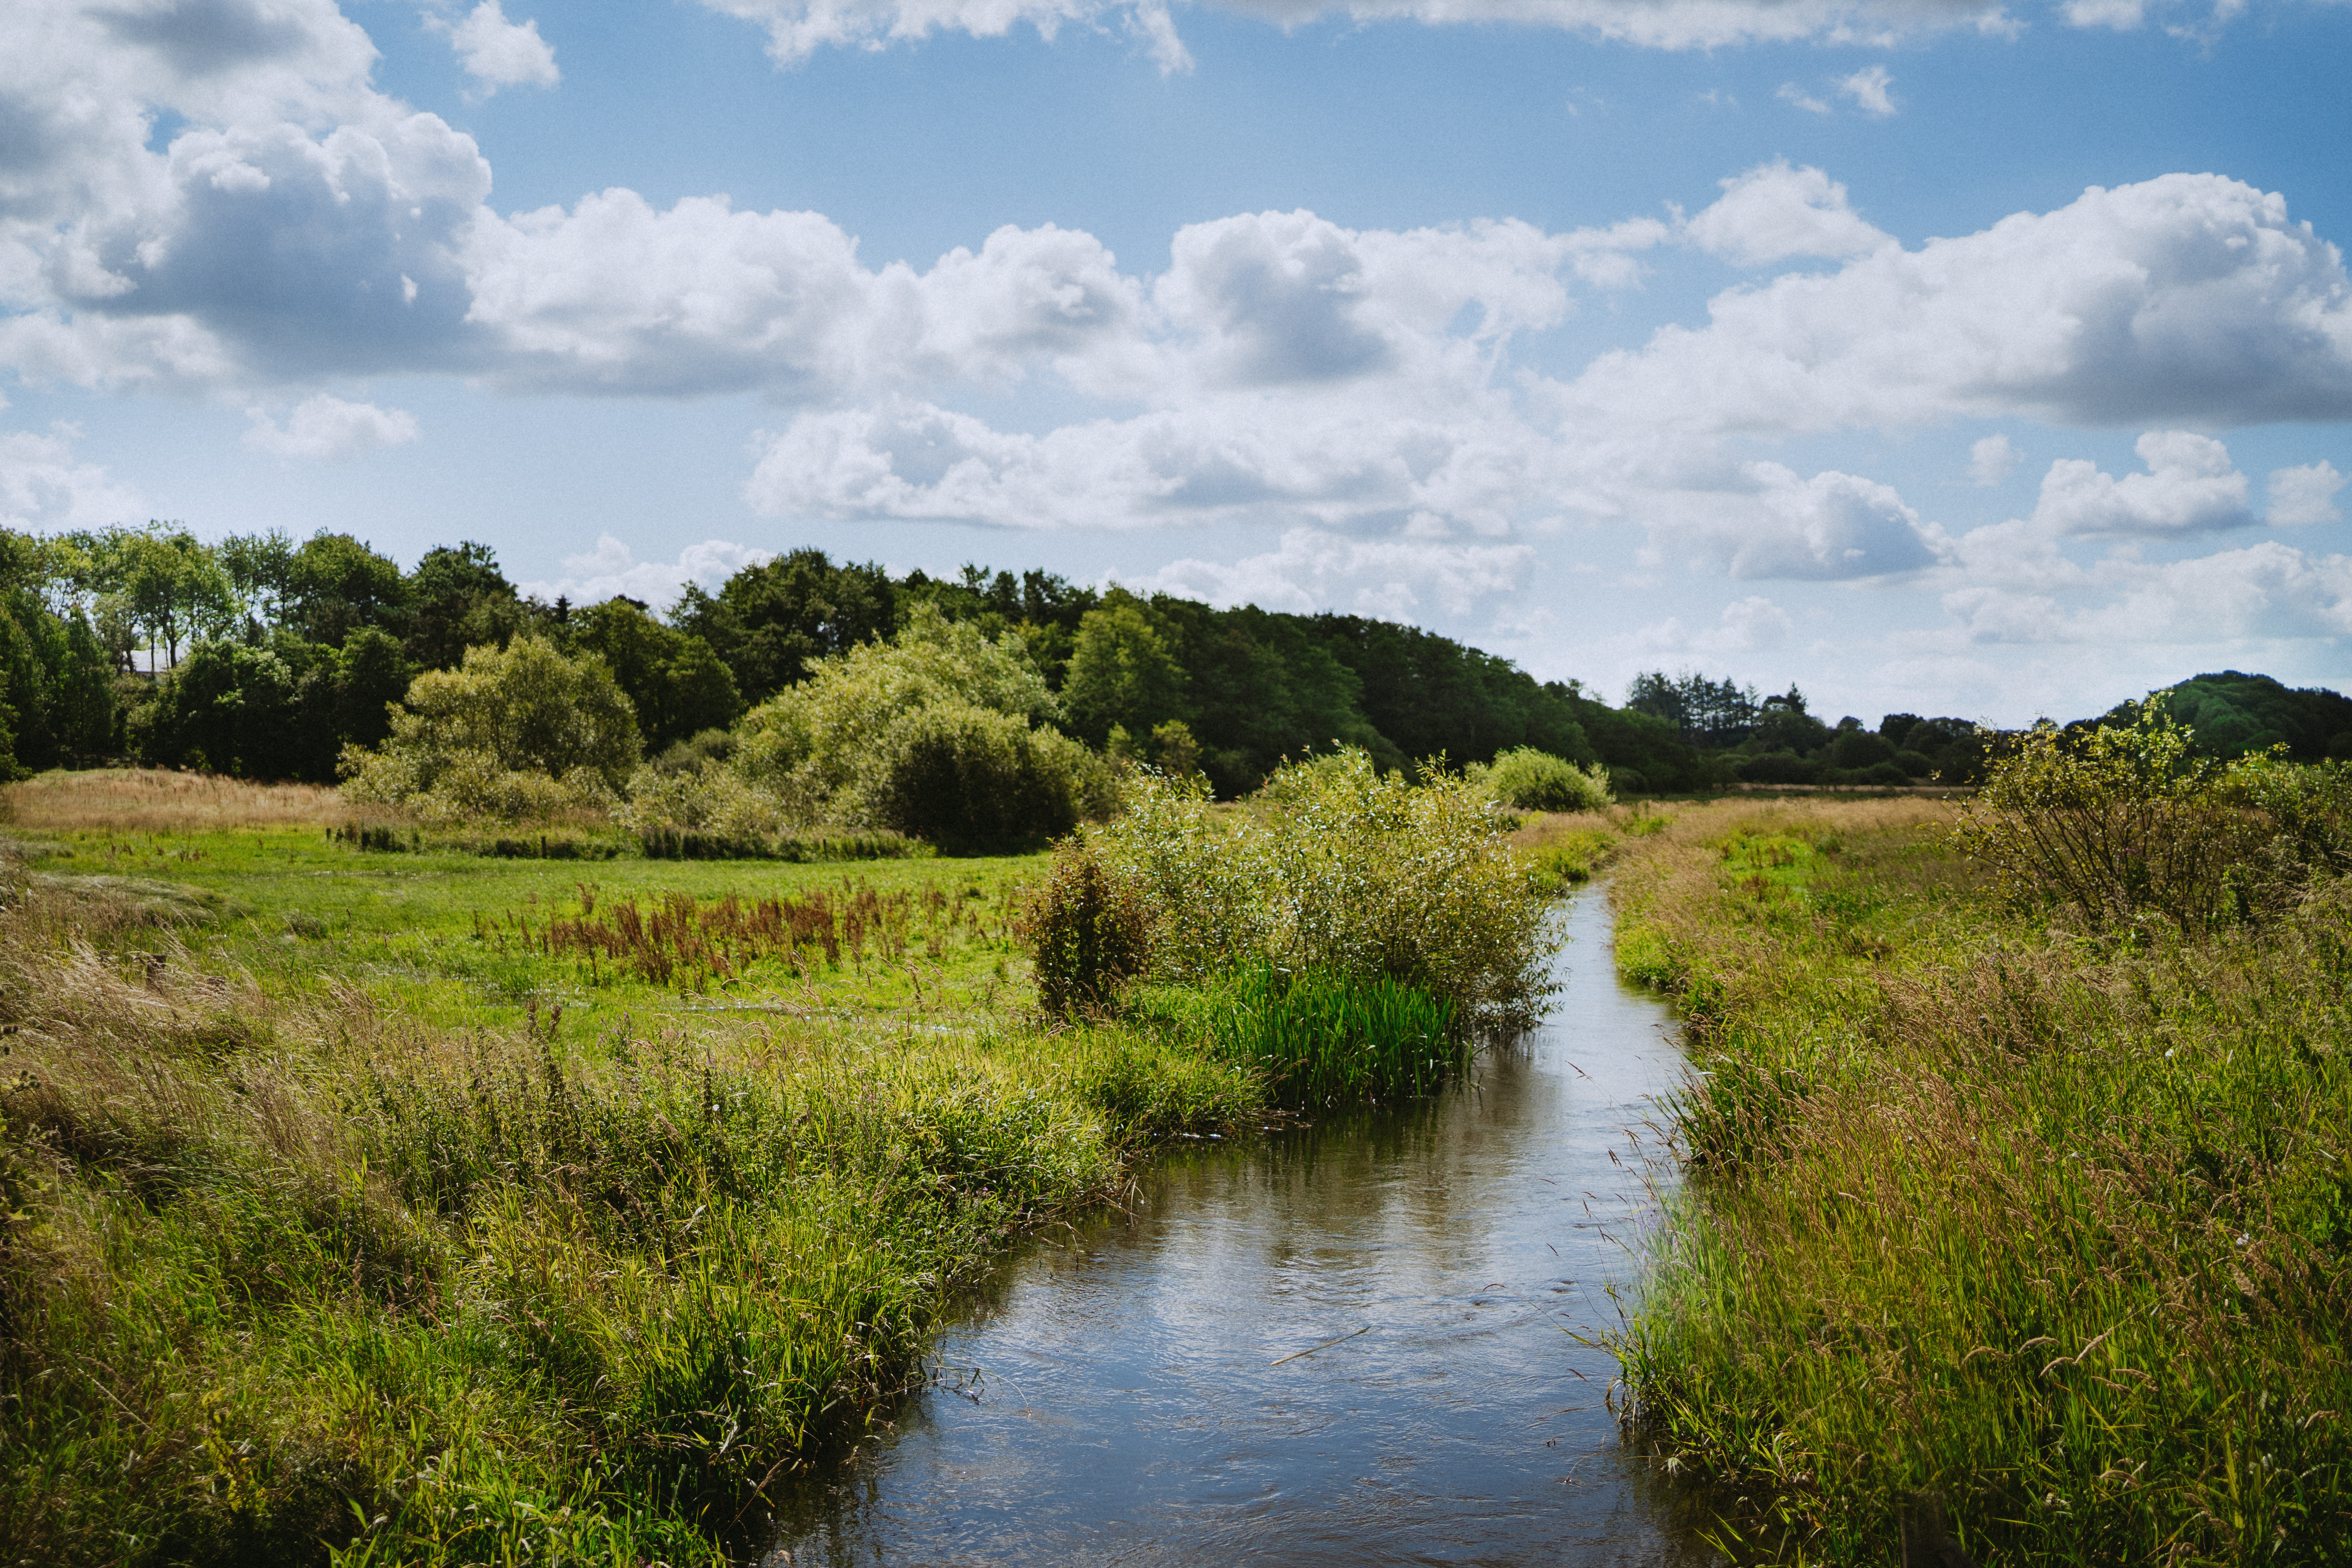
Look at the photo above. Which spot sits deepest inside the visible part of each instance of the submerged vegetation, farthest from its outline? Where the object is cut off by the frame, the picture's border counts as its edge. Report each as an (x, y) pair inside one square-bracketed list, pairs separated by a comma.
[(2017, 1158)]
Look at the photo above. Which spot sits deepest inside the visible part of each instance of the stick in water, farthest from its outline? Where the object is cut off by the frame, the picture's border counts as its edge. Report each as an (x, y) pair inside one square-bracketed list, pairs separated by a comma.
[(1326, 1345)]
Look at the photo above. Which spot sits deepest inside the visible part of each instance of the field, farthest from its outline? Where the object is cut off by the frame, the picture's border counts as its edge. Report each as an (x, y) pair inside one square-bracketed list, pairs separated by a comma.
[(1997, 1237)]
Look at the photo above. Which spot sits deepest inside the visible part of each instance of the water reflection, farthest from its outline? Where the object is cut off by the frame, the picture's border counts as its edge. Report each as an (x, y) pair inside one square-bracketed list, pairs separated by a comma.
[(1120, 1400)]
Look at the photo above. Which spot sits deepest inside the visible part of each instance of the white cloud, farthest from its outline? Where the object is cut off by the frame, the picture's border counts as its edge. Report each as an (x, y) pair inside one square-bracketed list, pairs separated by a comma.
[(330, 429), (498, 53), (2267, 591), (797, 28), (612, 569), (2189, 488), (1768, 524), (1314, 569), (44, 489), (1773, 212), (1797, 97), (1867, 88), (2306, 495), (1991, 460), (1752, 624), (2189, 296), (2122, 15)]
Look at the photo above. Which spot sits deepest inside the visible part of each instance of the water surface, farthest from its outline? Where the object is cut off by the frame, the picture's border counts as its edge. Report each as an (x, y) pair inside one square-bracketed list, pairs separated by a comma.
[(1115, 1396)]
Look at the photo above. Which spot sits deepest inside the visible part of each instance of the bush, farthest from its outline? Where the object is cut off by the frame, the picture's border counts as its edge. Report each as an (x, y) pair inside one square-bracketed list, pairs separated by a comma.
[(1344, 871), (969, 779), (1888, 773), (2113, 823), (1914, 764), (1089, 931), (1538, 781), (516, 733)]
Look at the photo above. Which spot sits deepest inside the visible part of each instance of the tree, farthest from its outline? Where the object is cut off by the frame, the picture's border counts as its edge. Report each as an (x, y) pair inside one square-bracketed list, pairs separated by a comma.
[(230, 707), (260, 567), (678, 686), (158, 583), (771, 622), (335, 585), (1123, 670), (458, 600)]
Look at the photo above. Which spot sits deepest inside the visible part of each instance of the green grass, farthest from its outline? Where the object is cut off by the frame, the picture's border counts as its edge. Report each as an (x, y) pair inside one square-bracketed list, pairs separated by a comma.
[(2054, 1233)]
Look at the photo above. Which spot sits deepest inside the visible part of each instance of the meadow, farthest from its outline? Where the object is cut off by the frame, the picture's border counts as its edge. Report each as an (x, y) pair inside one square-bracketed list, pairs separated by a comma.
[(2003, 1232)]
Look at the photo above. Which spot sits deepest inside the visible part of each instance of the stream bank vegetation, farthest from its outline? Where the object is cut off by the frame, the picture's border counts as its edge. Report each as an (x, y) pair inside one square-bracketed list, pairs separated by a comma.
[(2019, 1156), (433, 1207)]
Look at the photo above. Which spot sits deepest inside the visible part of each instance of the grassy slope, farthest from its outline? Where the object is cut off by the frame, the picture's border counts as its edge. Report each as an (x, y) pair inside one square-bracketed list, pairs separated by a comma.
[(330, 1239), (2052, 1236)]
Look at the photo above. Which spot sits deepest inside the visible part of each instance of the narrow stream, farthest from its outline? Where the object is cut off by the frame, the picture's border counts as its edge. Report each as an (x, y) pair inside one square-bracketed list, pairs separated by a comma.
[(1120, 1400)]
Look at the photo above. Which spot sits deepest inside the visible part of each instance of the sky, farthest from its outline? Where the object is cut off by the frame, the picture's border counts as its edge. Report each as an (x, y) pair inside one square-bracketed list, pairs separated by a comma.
[(1940, 356)]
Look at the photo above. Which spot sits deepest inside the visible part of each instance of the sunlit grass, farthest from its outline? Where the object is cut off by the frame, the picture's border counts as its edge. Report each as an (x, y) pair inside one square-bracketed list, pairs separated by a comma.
[(2052, 1233)]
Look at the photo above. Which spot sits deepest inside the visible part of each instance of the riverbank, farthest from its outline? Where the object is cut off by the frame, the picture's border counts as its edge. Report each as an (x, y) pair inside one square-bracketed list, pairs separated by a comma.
[(1989, 1228)]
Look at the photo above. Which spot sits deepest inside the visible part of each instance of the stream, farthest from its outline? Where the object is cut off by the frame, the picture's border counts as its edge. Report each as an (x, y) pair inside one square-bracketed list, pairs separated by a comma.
[(1133, 1389)]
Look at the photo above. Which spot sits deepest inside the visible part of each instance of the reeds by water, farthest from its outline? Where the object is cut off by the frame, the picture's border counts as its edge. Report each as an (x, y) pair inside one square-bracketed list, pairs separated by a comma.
[(1324, 1039)]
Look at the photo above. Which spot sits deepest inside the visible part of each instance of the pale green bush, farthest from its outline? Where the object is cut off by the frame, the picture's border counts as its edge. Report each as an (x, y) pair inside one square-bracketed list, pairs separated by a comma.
[(944, 734), (1531, 780), (711, 797), (514, 733), (1340, 870)]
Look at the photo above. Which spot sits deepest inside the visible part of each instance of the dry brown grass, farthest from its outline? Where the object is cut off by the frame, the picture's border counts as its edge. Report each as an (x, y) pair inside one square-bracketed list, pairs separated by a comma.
[(150, 800)]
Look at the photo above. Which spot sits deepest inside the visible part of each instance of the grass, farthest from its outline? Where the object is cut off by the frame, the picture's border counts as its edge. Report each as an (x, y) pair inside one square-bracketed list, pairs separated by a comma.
[(433, 1208), (2044, 1236)]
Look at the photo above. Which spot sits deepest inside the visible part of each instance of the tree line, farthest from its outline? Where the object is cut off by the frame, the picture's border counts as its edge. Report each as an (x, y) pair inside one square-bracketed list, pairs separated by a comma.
[(267, 658)]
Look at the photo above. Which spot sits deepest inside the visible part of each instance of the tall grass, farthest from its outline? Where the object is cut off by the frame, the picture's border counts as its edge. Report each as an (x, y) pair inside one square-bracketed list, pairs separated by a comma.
[(1324, 1039), (154, 800), (2056, 1234), (294, 1276)]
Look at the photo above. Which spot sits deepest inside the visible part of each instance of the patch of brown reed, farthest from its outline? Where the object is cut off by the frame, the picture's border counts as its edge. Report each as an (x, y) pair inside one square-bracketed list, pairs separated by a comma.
[(153, 800)]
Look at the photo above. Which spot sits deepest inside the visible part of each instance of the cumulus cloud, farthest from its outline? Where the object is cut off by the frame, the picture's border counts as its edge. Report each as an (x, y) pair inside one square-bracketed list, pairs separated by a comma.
[(1991, 460), (1765, 521), (612, 569), (2189, 488), (330, 429), (498, 53), (1867, 88), (1313, 569), (2186, 297), (1774, 212), (2306, 495), (2265, 591), (44, 487)]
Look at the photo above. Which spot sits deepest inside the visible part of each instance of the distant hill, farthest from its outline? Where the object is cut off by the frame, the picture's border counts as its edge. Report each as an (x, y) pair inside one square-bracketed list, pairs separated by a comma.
[(2233, 714)]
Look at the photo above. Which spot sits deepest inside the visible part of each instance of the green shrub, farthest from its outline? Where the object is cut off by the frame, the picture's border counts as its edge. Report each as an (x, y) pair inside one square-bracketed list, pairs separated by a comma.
[(1538, 781), (515, 734), (1339, 869), (1088, 930), (969, 779), (2113, 824), (1780, 768)]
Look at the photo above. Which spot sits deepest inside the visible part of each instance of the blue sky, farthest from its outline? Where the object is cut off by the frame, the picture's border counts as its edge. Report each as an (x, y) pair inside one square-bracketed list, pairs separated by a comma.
[(1935, 355)]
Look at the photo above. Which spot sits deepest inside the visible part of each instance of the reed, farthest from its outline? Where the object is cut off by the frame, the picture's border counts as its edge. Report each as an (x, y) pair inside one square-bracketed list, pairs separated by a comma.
[(1322, 1039)]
